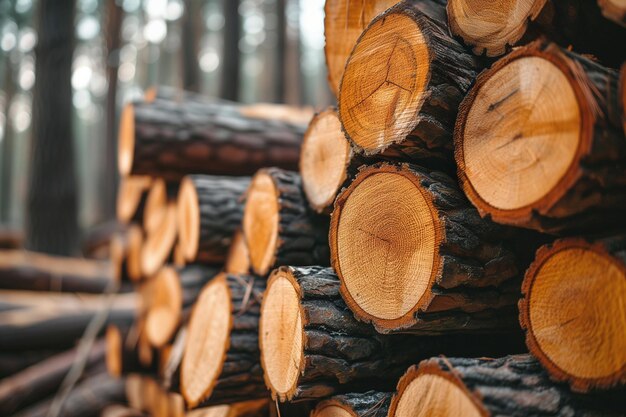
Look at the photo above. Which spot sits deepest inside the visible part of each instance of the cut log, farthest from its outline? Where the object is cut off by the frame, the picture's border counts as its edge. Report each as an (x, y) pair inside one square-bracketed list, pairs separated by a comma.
[(125, 254), (87, 399), (13, 362), (96, 240), (122, 353), (413, 255), (119, 410), (252, 408), (49, 320), (131, 198), (344, 21), (313, 347), (221, 360), (510, 386), (174, 291), (133, 389), (366, 404), (171, 372), (37, 382), (210, 209), (279, 226), (574, 294), (160, 194), (238, 259), (614, 10), (159, 244), (545, 152), (327, 160), (172, 140), (403, 83), (20, 270)]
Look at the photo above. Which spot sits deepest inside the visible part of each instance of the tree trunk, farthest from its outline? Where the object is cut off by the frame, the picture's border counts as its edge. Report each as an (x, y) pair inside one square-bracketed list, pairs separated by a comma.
[(279, 226), (392, 105), (313, 347), (414, 256), (509, 386), (191, 32), (52, 218), (221, 361), (21, 270), (170, 140), (574, 294), (559, 170), (11, 362), (230, 51), (367, 404), (210, 210)]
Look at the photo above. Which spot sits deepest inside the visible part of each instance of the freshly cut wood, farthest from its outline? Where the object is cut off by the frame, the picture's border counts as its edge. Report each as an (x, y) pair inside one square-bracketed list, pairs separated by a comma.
[(312, 346), (403, 83), (171, 140), (21, 270), (491, 27), (160, 194), (574, 295), (174, 291), (159, 244), (171, 372), (221, 360), (539, 142), (366, 404), (344, 21), (413, 255), (327, 160), (87, 399), (42, 379), (131, 198), (238, 259), (36, 320), (119, 410), (614, 10), (133, 386), (125, 254), (510, 386), (252, 408), (278, 225), (210, 209)]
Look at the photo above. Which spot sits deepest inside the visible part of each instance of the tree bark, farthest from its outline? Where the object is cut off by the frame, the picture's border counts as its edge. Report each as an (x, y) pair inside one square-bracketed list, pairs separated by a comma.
[(366, 404), (12, 362), (171, 140), (52, 217), (512, 385)]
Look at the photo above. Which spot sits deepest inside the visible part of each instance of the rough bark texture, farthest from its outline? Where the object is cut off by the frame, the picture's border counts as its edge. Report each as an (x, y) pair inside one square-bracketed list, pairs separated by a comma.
[(476, 277), (302, 234), (452, 70), (220, 200), (175, 139), (344, 355), (366, 404), (592, 193), (40, 380), (21, 270), (512, 386)]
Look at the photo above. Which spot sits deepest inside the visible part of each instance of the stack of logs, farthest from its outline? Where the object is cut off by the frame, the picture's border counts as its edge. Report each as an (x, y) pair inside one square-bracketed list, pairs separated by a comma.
[(453, 244)]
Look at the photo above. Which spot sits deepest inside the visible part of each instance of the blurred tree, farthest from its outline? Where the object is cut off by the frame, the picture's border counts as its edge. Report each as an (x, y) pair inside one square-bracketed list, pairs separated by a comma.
[(192, 21), (51, 220), (230, 50), (281, 46)]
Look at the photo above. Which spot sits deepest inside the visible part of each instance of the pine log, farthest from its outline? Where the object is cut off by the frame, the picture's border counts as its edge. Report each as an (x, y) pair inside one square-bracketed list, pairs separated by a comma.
[(510, 386), (574, 296), (11, 362), (131, 198), (403, 83), (221, 360), (120, 410), (171, 372), (614, 10), (344, 21), (159, 195), (33, 320), (313, 347), (159, 244), (210, 209), (174, 291), (278, 225), (20, 270), (550, 157), (123, 354), (238, 259), (125, 254), (413, 255), (252, 408), (172, 139), (87, 399), (96, 241), (366, 404), (42, 379)]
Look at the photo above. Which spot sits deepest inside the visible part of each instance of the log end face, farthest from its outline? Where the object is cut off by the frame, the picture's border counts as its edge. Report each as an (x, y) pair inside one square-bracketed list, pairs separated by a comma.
[(126, 141), (281, 330), (113, 353), (135, 243), (129, 195), (159, 243), (385, 82), (260, 222), (188, 214), (238, 259), (324, 159), (332, 408), (384, 241), (208, 339), (575, 296), (164, 307)]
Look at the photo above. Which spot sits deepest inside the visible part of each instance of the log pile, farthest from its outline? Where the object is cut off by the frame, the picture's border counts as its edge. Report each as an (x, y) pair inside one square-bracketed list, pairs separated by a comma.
[(453, 243)]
